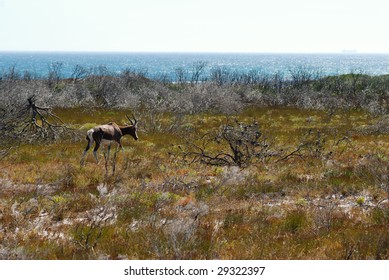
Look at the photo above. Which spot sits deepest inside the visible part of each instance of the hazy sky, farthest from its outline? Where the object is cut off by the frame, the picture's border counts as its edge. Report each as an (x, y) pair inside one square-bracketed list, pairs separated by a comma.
[(195, 25)]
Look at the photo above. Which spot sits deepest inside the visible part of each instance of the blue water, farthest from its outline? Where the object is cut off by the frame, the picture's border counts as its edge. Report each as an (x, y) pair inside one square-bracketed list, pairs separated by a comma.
[(156, 64)]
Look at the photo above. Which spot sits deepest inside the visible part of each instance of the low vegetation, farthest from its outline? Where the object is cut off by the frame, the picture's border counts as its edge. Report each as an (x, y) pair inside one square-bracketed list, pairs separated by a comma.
[(223, 169)]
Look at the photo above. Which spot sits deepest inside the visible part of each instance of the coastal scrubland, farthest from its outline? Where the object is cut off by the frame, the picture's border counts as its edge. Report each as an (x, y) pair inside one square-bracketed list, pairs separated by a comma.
[(228, 166)]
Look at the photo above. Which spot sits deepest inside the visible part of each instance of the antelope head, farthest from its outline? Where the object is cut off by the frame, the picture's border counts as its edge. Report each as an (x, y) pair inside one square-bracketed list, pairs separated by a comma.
[(132, 129)]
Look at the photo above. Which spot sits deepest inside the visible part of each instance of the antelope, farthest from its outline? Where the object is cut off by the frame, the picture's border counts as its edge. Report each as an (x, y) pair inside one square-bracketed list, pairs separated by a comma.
[(107, 133)]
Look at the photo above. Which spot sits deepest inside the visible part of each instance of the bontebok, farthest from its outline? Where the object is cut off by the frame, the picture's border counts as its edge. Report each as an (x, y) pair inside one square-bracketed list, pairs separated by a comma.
[(107, 133)]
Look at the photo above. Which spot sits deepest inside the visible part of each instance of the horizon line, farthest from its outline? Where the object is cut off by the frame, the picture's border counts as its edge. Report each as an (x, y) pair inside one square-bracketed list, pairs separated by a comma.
[(192, 52)]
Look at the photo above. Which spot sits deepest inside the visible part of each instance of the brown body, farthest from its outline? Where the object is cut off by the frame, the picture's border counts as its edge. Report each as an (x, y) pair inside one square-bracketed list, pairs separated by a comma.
[(107, 133)]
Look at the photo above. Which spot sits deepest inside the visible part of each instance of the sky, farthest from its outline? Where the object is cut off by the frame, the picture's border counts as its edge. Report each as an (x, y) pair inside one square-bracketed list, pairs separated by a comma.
[(289, 26)]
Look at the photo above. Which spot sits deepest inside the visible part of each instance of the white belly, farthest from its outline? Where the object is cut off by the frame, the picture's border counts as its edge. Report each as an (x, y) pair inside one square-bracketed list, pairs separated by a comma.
[(106, 142)]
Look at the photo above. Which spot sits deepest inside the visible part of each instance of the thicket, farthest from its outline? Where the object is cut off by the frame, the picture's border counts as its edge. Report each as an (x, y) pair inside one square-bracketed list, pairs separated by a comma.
[(191, 91)]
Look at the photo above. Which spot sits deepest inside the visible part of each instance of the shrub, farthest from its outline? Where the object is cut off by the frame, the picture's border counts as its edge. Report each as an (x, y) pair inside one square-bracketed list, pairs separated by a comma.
[(295, 220), (235, 143)]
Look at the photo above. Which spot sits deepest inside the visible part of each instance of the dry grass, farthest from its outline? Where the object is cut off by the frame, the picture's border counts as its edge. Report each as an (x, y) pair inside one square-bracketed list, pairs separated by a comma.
[(331, 202)]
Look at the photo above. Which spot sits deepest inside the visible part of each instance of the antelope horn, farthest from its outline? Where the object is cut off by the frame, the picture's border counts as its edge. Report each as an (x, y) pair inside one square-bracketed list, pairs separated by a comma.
[(132, 123), (136, 121)]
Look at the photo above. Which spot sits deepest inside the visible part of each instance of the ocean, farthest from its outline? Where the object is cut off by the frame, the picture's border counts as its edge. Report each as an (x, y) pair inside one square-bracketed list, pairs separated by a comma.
[(156, 65)]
